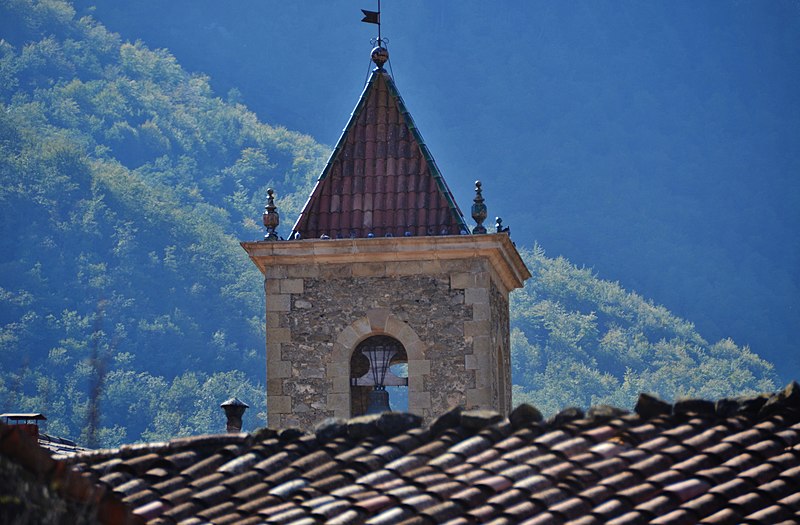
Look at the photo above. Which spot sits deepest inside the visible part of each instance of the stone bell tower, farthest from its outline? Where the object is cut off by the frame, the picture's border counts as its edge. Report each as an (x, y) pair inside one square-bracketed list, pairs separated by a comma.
[(382, 282)]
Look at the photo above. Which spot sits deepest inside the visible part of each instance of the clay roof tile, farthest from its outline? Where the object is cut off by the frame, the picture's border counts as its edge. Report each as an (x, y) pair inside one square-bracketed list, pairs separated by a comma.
[(668, 469), (676, 517), (398, 173)]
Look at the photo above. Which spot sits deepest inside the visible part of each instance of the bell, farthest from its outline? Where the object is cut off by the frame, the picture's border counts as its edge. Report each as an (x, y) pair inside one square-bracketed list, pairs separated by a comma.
[(377, 401)]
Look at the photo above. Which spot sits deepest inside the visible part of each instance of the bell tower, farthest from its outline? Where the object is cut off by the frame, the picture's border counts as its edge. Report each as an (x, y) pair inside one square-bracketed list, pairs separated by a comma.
[(382, 285)]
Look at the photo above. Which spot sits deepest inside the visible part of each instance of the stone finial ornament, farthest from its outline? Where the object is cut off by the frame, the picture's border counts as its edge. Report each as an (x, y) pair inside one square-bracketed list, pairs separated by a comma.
[(271, 218), (499, 228), (478, 210)]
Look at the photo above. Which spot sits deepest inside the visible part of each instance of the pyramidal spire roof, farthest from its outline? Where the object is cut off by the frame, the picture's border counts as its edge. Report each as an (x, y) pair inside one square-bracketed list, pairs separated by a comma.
[(381, 179)]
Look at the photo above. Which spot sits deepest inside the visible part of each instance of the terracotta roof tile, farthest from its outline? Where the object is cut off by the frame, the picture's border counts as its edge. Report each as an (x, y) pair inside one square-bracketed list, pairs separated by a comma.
[(597, 494), (253, 492), (705, 505), (518, 512), (792, 501), (178, 496), (612, 508), (545, 518), (130, 487), (748, 503), (716, 475), (380, 177), (183, 511), (141, 497), (676, 517), (687, 467), (115, 479), (668, 477), (723, 517)]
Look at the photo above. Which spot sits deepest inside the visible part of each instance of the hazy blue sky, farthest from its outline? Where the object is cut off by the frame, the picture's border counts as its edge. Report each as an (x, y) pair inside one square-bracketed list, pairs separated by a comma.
[(657, 142)]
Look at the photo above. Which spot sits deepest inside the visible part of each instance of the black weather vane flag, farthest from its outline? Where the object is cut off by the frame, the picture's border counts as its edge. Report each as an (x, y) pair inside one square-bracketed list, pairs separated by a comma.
[(373, 17)]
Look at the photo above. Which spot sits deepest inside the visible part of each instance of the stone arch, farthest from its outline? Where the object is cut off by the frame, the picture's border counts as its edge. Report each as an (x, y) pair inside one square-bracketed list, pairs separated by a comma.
[(378, 321)]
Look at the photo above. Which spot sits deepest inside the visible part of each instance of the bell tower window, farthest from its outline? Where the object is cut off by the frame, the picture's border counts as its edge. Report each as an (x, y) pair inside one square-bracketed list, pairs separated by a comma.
[(378, 376)]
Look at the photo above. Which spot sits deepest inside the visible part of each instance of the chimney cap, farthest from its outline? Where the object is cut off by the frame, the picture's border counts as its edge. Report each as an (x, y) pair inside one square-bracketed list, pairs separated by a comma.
[(15, 416), (234, 402)]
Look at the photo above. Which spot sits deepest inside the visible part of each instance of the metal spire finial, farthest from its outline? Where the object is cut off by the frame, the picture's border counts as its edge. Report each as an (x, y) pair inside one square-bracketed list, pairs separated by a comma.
[(478, 210), (379, 54), (271, 218)]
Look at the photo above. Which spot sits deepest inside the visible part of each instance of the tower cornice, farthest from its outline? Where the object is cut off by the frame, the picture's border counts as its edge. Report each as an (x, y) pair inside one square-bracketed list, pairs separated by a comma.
[(497, 248)]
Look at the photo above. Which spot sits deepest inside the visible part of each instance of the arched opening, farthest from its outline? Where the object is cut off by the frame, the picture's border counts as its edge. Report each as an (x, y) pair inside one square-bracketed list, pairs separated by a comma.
[(378, 376)]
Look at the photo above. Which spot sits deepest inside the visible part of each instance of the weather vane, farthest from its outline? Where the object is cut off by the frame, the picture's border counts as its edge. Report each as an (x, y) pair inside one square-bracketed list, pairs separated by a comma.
[(379, 53), (374, 17)]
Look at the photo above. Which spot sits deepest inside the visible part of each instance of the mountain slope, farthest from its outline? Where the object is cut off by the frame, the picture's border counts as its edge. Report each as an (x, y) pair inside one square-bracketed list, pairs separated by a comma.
[(126, 186), (579, 340)]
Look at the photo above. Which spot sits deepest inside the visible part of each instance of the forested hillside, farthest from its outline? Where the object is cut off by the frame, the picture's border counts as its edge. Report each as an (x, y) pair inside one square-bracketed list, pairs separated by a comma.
[(126, 185), (579, 341), (127, 309)]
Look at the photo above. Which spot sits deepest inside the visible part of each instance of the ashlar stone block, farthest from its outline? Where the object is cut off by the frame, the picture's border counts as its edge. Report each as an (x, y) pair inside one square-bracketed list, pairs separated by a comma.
[(274, 387), (348, 338), (341, 385), (336, 369), (272, 286), (302, 271), (279, 303), (279, 369), (479, 397), (275, 272), (339, 401), (394, 325), (273, 352), (279, 405), (362, 326), (377, 319), (481, 312), (377, 269), (279, 335), (291, 286), (419, 367), (481, 344), (273, 320), (461, 280), (416, 383), (476, 328), (476, 295), (419, 400)]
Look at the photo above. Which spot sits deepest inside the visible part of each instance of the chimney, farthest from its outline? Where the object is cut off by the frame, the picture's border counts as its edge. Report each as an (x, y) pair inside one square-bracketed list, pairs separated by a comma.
[(23, 422), (234, 409)]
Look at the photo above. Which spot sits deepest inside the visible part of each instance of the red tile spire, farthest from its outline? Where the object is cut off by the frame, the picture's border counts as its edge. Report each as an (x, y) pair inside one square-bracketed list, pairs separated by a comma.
[(381, 179)]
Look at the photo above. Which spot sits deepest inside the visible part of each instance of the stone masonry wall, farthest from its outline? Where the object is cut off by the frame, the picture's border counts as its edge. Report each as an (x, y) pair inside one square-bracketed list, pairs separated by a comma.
[(448, 314), (501, 349)]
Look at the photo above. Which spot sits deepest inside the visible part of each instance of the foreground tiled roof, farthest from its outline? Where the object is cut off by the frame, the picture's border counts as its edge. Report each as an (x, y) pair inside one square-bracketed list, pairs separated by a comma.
[(733, 461), (36, 488), (59, 446), (380, 179)]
